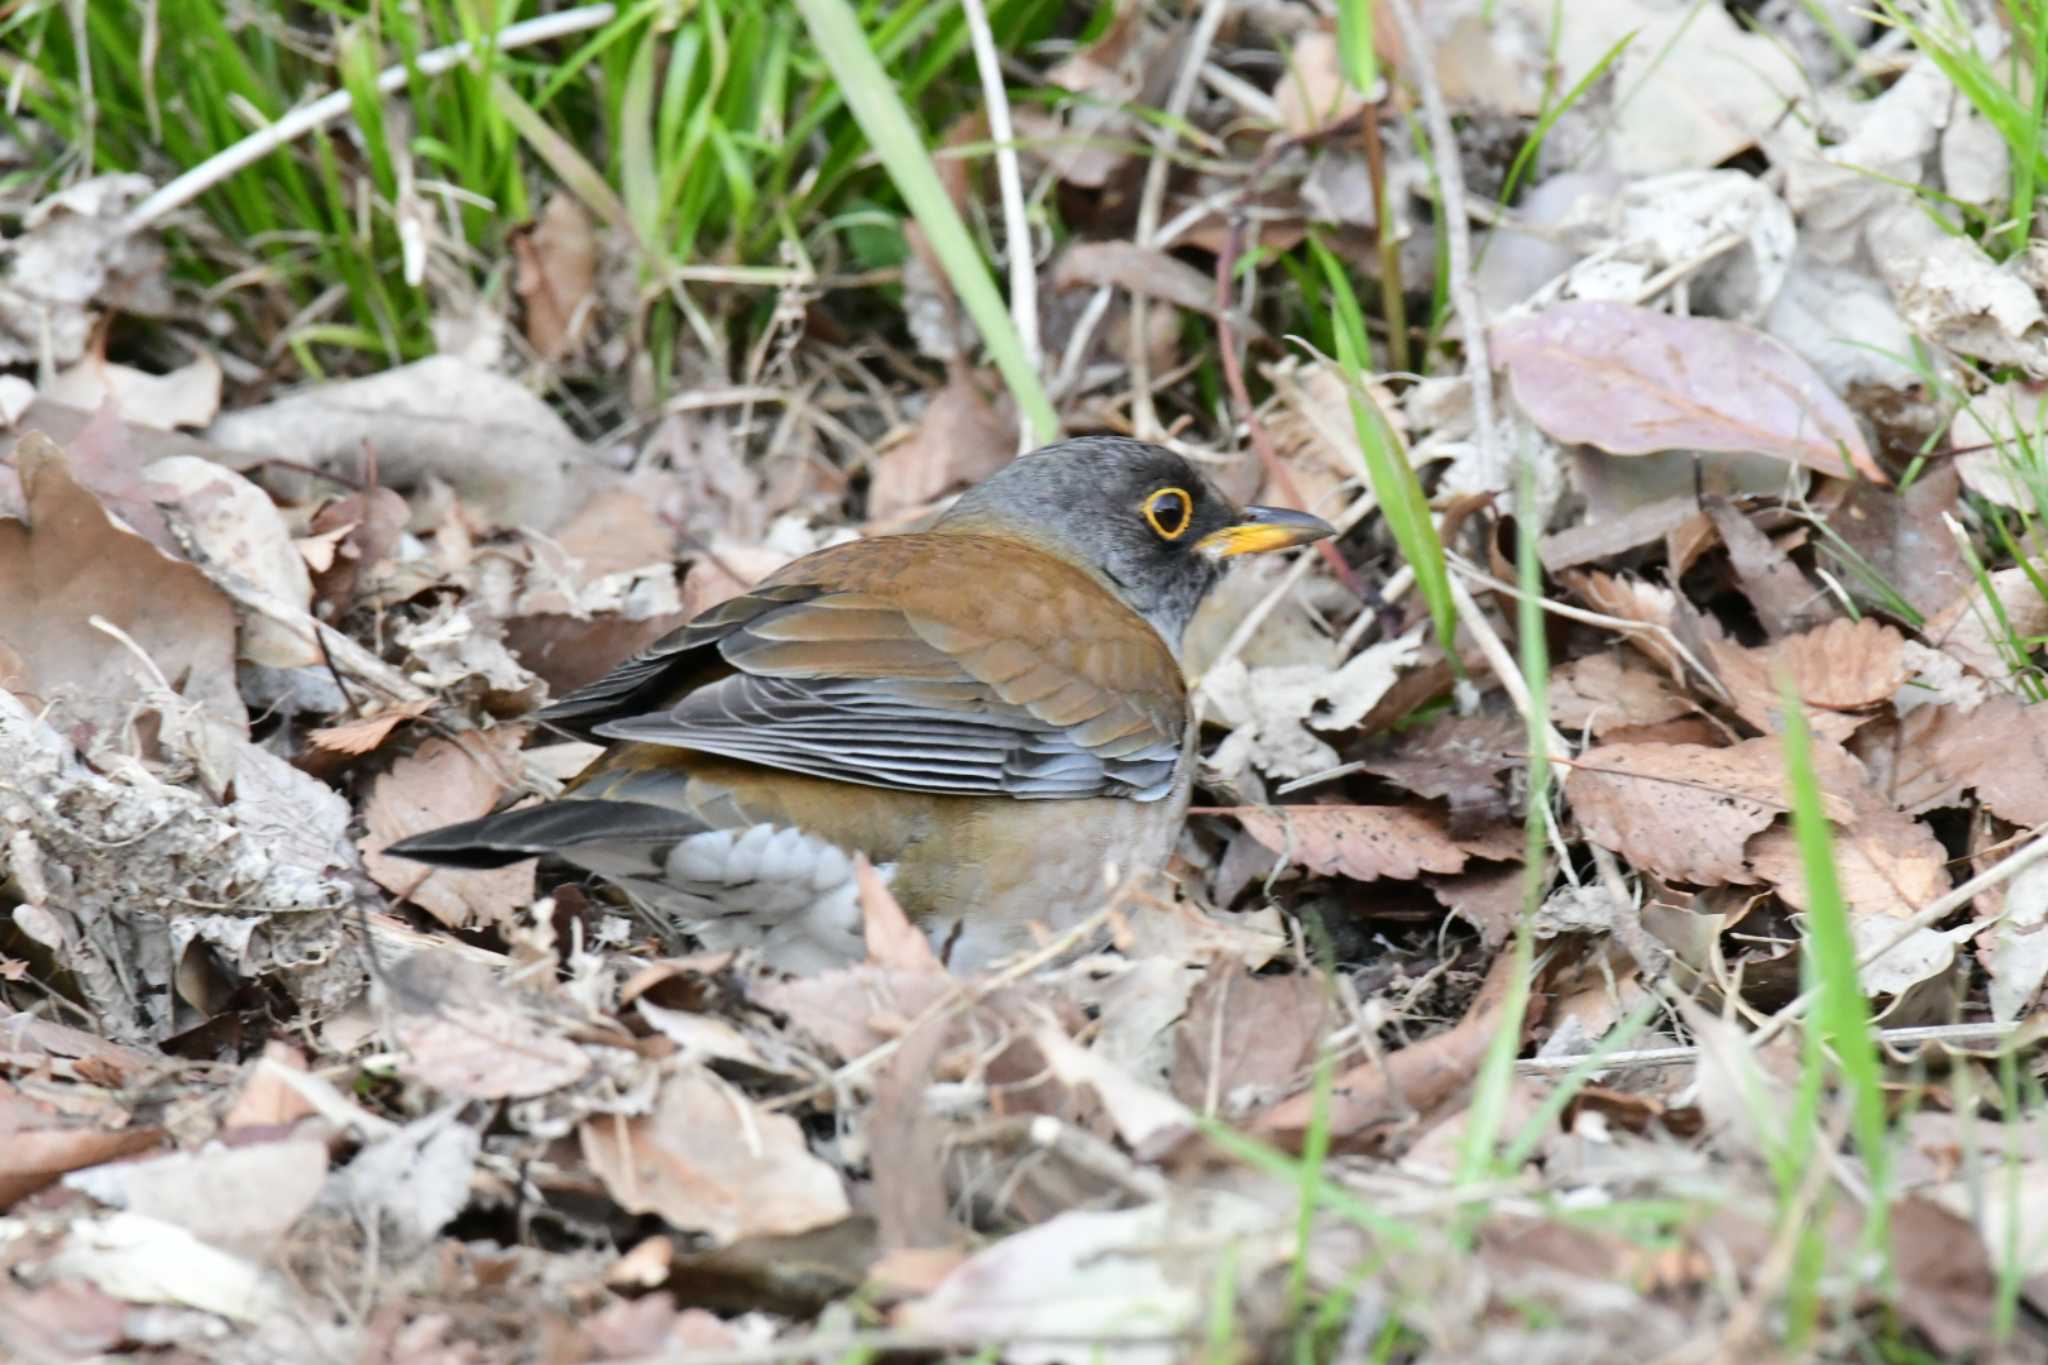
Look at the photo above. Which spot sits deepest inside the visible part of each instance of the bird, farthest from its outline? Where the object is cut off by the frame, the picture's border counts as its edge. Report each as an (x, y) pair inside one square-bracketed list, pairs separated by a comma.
[(991, 709)]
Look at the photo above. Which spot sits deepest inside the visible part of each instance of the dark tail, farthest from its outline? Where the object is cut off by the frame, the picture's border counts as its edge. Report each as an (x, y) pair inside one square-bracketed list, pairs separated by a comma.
[(506, 837)]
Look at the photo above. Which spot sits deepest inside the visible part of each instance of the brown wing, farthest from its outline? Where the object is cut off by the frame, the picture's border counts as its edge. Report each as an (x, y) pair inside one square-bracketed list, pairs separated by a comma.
[(951, 664)]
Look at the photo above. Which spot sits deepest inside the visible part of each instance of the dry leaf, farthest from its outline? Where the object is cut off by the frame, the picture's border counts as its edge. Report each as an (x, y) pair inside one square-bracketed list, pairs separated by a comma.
[(1245, 1039), (961, 439), (72, 563), (1412, 1081), (1999, 749), (465, 1034), (39, 1142), (1605, 692), (360, 736), (1888, 864), (1837, 670), (511, 456), (710, 1161), (1975, 629), (1369, 842), (1691, 89), (557, 277), (1633, 380), (438, 785), (1683, 811), (230, 527), (188, 396)]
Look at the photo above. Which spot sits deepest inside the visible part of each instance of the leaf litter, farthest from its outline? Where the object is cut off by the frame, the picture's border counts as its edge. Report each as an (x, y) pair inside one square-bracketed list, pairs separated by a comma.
[(506, 1115)]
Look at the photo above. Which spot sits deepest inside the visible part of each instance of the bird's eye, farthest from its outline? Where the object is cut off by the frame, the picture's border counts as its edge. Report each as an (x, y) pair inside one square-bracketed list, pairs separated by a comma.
[(1169, 511)]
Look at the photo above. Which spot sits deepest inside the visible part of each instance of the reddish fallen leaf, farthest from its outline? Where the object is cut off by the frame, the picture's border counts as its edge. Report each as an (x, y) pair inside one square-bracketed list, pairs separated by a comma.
[(1370, 842), (40, 1142), (1245, 1039), (365, 733), (1634, 380)]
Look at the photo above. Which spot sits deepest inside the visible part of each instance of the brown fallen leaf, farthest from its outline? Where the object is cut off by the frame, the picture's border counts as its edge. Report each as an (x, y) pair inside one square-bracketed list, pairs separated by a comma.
[(1999, 750), (1889, 864), (1902, 538), (1369, 842), (1489, 899), (708, 1160), (71, 563), (1605, 692), (1418, 1078), (1784, 599), (39, 1142), (1632, 599), (960, 439), (1245, 1039), (466, 1035), (557, 276), (1842, 671), (365, 733), (1634, 380), (1464, 760), (1683, 811), (1136, 270), (440, 783)]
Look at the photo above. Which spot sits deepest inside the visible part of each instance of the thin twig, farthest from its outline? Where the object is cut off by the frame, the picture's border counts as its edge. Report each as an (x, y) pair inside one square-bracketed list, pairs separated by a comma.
[(1936, 911), (1678, 1056), (333, 105), (1016, 227), (1457, 232), (1495, 652)]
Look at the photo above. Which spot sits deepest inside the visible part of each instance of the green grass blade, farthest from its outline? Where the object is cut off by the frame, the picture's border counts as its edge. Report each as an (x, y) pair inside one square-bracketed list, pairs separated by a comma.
[(1393, 479), (872, 97), (1841, 1015)]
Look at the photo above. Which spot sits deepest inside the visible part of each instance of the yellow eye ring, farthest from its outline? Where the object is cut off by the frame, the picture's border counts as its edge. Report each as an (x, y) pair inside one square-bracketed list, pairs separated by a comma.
[(1180, 512)]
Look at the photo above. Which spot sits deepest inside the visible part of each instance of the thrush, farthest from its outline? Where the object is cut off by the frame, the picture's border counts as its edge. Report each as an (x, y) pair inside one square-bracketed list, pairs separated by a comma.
[(992, 710)]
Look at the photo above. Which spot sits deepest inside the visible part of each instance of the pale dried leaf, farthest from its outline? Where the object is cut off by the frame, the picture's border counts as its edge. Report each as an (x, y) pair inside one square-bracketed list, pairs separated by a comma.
[(1632, 380), (512, 458), (1679, 112), (1977, 628), (710, 1161), (208, 1192), (2015, 950), (188, 396), (229, 526)]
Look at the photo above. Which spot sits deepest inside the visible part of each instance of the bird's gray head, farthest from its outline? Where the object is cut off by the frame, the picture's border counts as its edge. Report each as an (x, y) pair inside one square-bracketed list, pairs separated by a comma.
[(1140, 518)]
